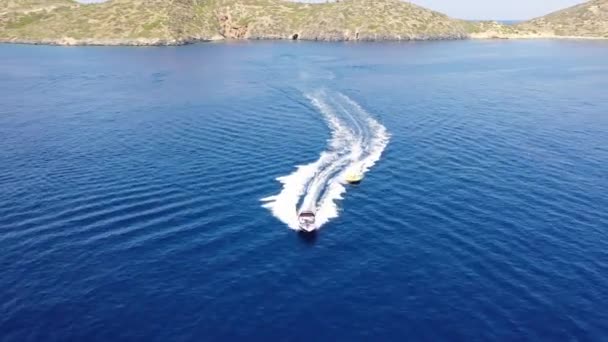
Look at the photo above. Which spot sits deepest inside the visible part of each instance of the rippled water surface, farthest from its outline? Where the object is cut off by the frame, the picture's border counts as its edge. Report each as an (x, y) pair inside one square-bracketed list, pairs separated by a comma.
[(148, 193)]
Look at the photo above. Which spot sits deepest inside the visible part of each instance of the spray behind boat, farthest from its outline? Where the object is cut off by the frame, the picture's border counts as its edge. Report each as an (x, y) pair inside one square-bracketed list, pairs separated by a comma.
[(310, 195)]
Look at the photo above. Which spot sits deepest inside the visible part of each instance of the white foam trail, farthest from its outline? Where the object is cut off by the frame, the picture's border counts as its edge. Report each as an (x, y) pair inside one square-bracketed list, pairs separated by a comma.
[(379, 137), (284, 205), (357, 142)]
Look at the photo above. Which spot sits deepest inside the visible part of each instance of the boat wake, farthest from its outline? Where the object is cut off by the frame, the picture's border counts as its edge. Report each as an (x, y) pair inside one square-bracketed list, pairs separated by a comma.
[(357, 142)]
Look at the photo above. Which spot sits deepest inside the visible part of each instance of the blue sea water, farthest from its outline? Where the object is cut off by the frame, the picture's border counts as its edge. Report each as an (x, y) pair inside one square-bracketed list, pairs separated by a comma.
[(134, 185)]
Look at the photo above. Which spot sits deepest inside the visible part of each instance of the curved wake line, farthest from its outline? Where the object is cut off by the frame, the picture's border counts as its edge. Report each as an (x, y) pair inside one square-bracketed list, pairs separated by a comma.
[(357, 142)]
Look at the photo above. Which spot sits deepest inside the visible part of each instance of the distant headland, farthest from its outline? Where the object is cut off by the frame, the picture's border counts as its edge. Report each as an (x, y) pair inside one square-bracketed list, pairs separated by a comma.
[(161, 22)]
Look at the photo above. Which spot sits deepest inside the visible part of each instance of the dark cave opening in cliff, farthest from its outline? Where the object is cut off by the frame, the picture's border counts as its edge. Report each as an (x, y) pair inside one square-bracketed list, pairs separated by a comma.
[(295, 36)]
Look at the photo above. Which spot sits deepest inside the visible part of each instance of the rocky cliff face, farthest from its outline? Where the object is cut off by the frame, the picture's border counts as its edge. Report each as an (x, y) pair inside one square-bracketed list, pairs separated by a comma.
[(585, 20), (344, 20)]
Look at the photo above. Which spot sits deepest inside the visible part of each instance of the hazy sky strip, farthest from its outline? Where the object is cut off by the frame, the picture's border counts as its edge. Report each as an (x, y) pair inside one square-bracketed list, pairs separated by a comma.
[(486, 9)]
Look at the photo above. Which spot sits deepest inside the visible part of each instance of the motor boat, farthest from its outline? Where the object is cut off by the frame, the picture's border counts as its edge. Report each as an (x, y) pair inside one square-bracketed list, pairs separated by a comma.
[(306, 220)]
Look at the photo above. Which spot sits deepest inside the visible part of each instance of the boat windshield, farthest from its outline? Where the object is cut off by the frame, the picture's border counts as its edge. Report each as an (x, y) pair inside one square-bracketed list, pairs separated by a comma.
[(307, 218)]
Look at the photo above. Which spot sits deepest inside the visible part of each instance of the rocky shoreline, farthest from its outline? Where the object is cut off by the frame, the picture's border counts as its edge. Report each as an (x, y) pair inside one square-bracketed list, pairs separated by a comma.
[(95, 42), (180, 42)]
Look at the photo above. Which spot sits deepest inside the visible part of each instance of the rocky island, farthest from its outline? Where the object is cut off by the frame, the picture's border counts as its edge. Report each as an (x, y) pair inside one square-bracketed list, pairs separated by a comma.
[(585, 21), (175, 22)]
